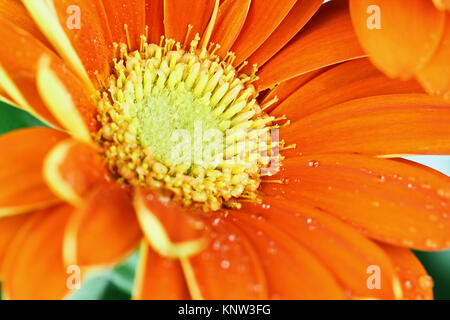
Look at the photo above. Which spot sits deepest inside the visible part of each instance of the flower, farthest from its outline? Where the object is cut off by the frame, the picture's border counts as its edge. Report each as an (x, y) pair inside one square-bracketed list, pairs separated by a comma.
[(335, 220), (411, 39)]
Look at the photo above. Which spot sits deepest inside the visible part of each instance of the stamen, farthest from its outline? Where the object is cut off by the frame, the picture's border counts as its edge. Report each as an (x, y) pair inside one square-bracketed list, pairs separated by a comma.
[(128, 35), (158, 90), (186, 39), (210, 28), (242, 66), (291, 146), (268, 104)]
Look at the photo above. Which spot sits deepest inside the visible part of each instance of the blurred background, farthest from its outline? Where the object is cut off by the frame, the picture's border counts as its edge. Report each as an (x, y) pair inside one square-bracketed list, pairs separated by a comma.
[(117, 283)]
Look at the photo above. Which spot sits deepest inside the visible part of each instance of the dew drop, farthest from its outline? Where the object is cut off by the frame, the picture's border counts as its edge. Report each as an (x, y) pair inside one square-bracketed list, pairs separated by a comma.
[(408, 285), (314, 164), (444, 193), (216, 245), (431, 244), (257, 288), (412, 229), (225, 264), (425, 282)]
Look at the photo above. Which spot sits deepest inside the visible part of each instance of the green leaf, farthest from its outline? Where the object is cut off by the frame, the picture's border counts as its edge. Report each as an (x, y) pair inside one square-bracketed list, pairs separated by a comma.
[(12, 118), (437, 265)]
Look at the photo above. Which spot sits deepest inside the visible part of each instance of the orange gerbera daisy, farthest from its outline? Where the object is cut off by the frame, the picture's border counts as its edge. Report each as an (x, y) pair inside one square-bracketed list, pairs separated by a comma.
[(332, 217), (407, 39)]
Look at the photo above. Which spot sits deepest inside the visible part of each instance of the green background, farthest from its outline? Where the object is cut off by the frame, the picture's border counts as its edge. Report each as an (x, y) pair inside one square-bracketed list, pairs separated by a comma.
[(117, 283)]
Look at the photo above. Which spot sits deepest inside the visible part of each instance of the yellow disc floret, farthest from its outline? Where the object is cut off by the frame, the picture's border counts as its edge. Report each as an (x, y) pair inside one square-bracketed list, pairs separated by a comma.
[(181, 119)]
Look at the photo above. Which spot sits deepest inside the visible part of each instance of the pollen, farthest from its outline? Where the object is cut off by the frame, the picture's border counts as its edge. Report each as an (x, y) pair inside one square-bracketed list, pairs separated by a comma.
[(177, 117)]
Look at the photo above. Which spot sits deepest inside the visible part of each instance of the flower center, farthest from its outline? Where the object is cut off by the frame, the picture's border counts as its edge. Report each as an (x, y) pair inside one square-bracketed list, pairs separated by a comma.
[(181, 119)]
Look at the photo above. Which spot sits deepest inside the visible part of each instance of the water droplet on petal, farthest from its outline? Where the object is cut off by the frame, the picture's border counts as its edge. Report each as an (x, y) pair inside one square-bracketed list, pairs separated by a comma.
[(412, 229), (225, 264), (257, 288), (431, 244), (444, 193), (425, 282), (216, 245), (408, 285), (314, 164)]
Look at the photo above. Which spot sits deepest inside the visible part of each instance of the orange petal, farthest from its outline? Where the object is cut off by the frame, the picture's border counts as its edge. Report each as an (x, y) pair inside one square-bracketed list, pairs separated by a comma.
[(154, 15), (442, 4), (232, 14), (291, 271), (229, 268), (92, 38), (346, 253), (126, 12), (22, 187), (171, 230), (435, 76), (380, 125), (5, 98), (72, 169), (416, 283), (286, 88), (263, 18), (33, 265), (347, 81), (103, 230), (178, 14), (9, 226), (396, 45), (299, 15), (15, 12), (388, 200), (310, 49), (72, 106), (159, 278), (20, 63)]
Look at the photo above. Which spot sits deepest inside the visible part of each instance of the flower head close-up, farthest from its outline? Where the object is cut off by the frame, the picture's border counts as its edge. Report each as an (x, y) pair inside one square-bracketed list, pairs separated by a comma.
[(245, 149)]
